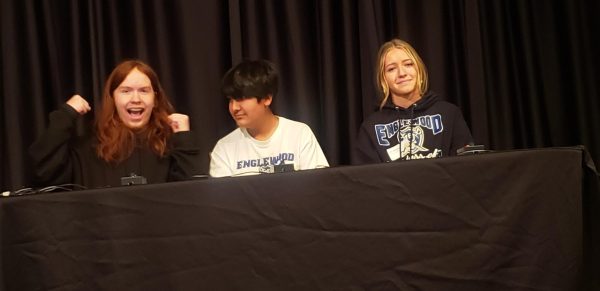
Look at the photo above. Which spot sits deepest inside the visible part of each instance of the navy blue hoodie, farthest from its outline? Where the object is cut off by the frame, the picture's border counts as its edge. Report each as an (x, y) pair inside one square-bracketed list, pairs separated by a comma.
[(429, 128)]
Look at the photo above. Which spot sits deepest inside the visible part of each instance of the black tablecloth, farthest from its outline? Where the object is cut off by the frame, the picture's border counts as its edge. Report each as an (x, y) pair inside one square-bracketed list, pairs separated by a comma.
[(519, 220)]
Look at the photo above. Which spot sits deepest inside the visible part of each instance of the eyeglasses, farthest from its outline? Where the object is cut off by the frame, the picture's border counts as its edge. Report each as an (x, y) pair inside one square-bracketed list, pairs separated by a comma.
[(128, 91)]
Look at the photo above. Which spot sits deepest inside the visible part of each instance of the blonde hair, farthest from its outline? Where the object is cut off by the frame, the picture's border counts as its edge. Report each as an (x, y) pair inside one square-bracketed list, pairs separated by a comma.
[(384, 89)]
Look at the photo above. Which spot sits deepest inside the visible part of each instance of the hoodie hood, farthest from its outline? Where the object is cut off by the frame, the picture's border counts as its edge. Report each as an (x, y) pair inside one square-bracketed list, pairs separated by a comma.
[(422, 104)]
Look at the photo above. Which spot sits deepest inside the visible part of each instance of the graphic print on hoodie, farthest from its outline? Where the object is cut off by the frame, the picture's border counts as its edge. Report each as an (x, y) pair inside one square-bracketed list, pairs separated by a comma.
[(410, 137), (429, 128)]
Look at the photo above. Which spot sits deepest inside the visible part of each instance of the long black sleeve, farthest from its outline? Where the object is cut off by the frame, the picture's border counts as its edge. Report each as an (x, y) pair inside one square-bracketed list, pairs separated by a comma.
[(461, 135), (50, 153), (364, 151), (185, 159)]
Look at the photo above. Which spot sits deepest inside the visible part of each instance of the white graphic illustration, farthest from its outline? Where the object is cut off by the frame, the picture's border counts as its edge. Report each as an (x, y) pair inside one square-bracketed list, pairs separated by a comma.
[(418, 139)]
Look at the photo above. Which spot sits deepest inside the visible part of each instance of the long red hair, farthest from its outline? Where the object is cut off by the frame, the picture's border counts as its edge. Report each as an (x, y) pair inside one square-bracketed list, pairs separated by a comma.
[(116, 141)]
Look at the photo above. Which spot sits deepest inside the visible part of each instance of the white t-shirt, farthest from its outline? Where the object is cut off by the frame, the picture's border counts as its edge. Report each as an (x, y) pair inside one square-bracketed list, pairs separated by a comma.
[(293, 142)]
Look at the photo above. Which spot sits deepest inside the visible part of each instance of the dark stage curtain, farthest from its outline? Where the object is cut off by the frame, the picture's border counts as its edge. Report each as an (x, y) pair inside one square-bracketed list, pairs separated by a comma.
[(524, 73)]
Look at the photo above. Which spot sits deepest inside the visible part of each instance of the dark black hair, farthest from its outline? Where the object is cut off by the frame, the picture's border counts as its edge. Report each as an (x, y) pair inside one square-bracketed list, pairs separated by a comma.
[(250, 78)]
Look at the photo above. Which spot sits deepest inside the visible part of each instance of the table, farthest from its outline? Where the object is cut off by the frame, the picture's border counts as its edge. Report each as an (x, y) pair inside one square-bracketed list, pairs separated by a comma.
[(516, 220)]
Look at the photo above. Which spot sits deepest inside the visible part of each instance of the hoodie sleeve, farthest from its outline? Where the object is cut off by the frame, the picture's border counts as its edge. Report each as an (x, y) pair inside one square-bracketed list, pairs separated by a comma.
[(364, 151), (461, 135), (50, 153), (186, 161)]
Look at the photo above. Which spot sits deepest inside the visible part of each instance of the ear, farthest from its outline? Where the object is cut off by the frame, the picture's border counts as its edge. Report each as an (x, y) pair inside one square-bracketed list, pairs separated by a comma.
[(267, 100)]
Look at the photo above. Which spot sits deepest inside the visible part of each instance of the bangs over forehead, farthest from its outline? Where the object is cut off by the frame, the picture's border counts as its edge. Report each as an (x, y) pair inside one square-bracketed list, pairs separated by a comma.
[(250, 79)]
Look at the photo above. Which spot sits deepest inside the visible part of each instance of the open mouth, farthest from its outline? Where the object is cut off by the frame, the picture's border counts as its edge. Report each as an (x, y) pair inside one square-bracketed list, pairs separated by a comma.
[(135, 112)]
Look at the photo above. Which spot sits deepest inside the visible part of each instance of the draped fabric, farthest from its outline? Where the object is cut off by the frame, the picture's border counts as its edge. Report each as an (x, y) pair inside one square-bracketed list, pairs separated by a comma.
[(524, 73), (519, 227)]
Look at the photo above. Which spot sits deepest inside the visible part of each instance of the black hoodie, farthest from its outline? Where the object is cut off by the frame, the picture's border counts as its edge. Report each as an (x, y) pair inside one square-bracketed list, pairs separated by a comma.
[(429, 128)]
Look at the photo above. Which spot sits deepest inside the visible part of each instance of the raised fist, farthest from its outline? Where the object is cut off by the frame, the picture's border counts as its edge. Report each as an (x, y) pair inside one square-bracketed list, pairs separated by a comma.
[(79, 104), (179, 122)]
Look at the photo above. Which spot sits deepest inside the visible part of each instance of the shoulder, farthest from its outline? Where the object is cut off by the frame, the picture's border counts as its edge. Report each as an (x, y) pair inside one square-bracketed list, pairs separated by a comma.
[(288, 124), (436, 100), (443, 107), (448, 111), (384, 115), (446, 104), (232, 137), (295, 130)]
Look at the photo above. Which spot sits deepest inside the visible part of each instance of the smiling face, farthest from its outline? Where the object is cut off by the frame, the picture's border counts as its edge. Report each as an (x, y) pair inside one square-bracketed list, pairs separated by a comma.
[(400, 72), (134, 99)]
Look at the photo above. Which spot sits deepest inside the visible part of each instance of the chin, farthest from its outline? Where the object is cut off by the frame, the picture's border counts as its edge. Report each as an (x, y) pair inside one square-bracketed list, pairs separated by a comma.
[(240, 123), (136, 125)]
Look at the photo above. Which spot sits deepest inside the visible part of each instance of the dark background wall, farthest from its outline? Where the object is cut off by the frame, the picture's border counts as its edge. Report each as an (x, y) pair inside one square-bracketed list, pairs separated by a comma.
[(524, 73)]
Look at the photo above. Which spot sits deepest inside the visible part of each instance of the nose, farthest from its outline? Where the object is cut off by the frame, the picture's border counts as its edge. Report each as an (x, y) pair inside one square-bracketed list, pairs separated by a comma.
[(401, 71), (135, 97), (234, 105)]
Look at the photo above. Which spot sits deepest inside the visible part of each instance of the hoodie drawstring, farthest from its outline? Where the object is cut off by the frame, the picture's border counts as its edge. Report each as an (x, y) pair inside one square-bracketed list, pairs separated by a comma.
[(412, 115)]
